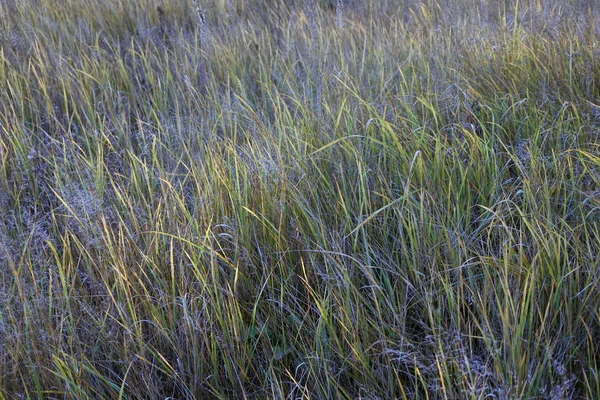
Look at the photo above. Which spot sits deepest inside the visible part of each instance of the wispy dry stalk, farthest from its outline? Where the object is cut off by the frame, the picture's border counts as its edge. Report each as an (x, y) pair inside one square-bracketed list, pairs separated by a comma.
[(202, 73), (201, 21), (339, 14)]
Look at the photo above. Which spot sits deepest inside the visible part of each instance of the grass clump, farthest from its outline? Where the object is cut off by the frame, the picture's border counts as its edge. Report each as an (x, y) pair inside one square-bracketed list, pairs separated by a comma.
[(305, 199)]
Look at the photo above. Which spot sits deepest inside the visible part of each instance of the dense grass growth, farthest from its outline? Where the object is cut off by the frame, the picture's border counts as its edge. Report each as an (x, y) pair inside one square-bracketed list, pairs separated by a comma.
[(306, 199)]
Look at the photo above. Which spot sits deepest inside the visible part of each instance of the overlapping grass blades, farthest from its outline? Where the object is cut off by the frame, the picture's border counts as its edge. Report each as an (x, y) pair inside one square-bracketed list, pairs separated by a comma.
[(305, 199)]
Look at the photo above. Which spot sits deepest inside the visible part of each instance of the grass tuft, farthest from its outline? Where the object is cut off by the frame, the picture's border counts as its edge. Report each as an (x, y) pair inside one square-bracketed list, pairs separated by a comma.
[(301, 199)]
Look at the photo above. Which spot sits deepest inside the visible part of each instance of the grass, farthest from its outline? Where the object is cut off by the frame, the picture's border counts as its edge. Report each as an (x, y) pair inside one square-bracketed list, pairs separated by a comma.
[(305, 199)]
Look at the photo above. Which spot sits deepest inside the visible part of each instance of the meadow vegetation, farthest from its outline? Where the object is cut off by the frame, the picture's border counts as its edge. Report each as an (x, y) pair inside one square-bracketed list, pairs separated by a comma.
[(299, 199)]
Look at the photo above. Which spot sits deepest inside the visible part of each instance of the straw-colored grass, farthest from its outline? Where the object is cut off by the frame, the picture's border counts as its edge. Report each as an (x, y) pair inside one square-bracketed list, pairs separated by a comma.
[(304, 199)]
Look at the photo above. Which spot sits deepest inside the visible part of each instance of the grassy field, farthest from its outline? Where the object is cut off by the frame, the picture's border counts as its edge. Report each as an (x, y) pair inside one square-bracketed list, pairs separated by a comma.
[(304, 199)]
